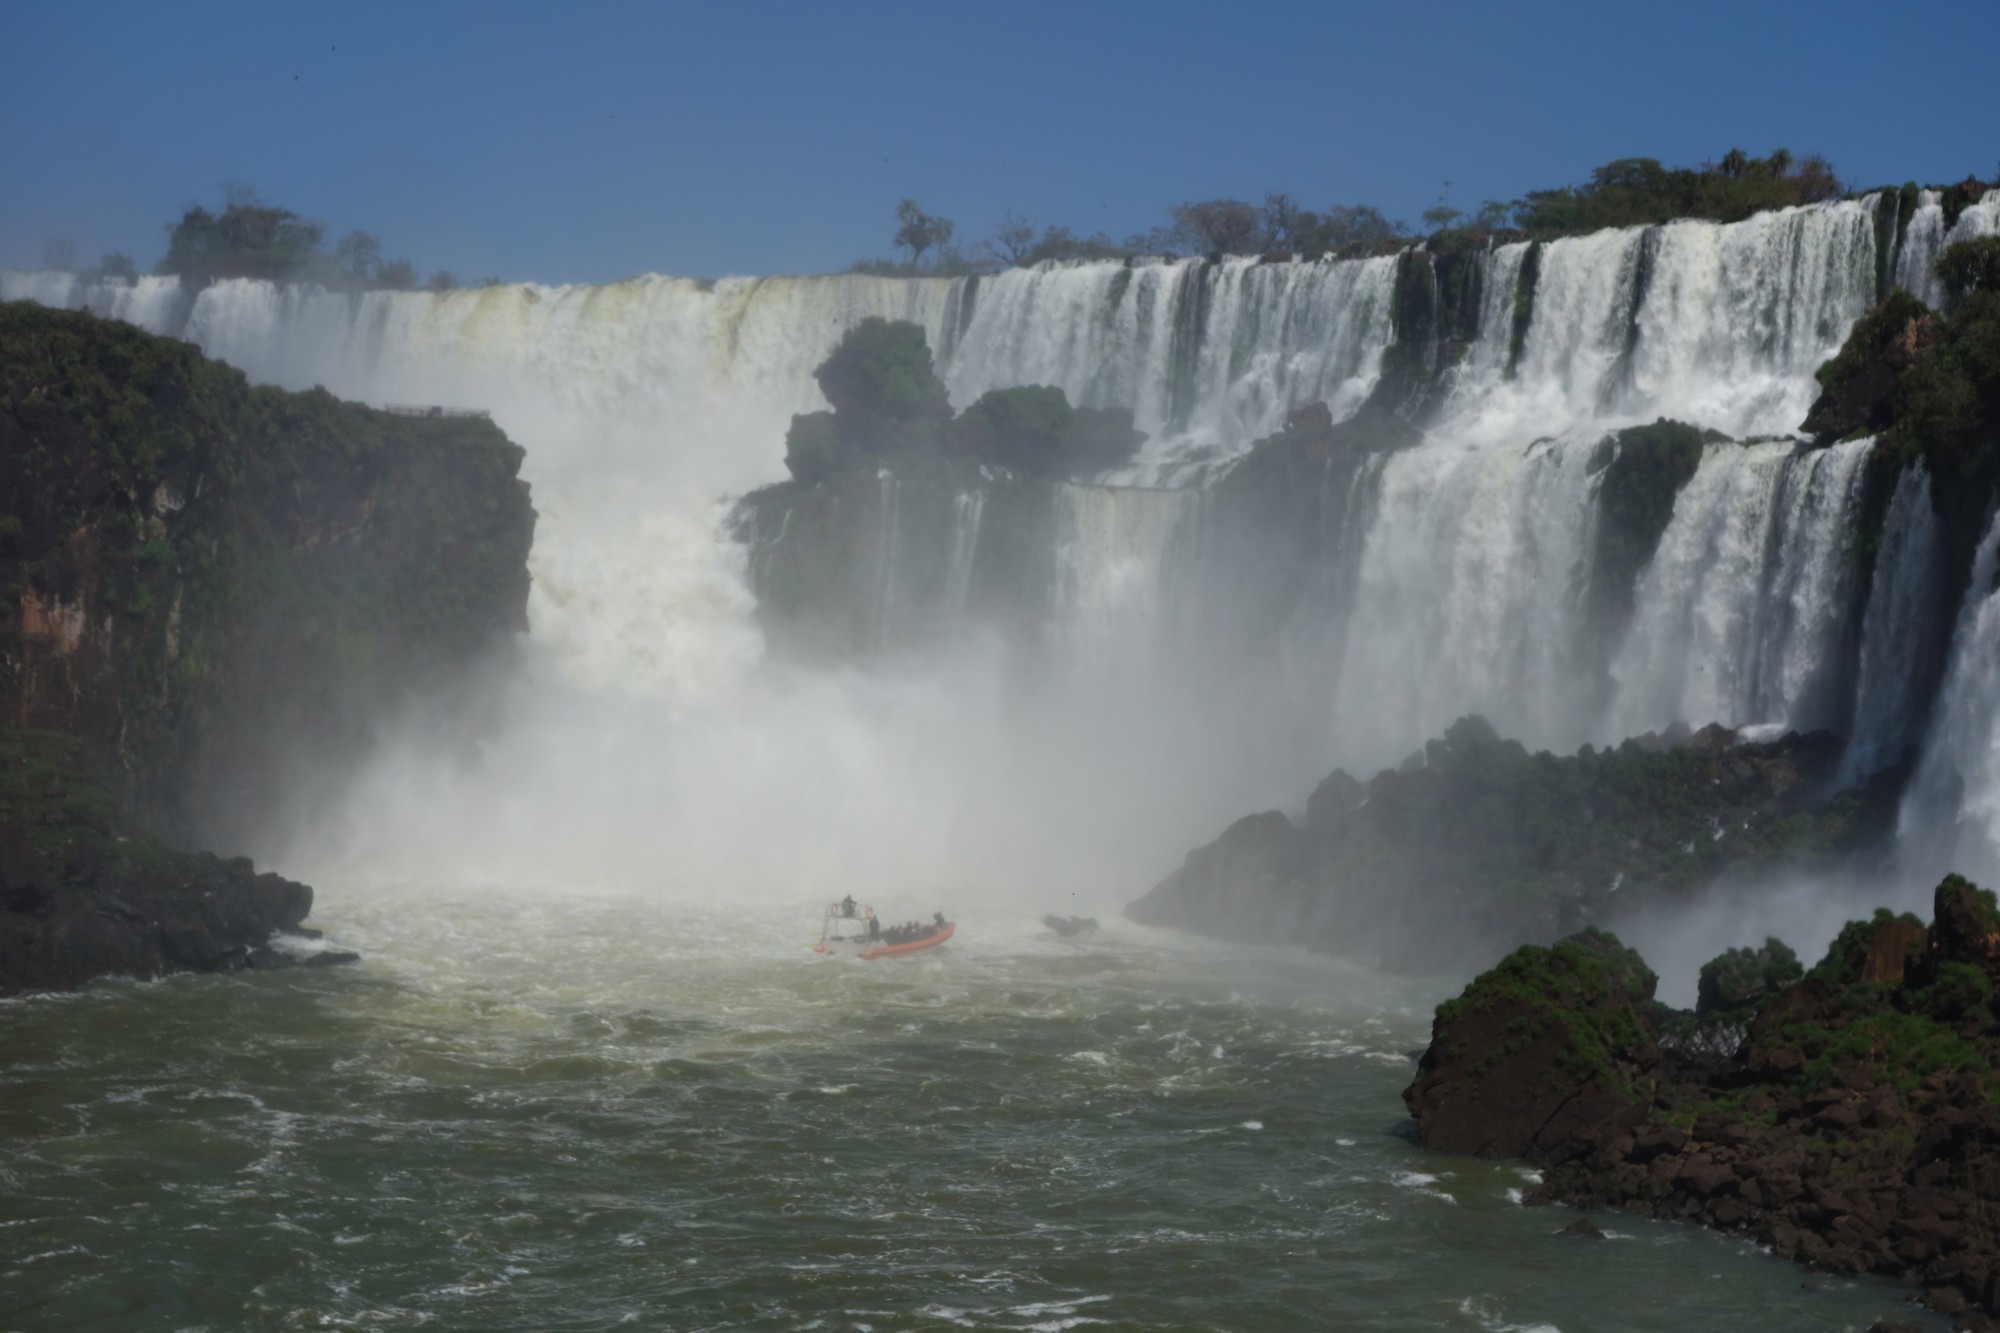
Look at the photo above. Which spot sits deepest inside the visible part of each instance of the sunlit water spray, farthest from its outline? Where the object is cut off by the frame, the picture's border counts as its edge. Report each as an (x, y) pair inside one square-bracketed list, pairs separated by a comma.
[(651, 704)]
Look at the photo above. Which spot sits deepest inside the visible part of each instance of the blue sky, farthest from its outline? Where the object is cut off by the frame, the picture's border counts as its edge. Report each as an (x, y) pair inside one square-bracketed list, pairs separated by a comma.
[(592, 141)]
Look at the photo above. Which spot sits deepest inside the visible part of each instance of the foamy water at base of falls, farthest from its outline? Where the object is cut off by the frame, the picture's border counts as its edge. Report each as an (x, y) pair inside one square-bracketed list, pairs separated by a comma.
[(553, 1109)]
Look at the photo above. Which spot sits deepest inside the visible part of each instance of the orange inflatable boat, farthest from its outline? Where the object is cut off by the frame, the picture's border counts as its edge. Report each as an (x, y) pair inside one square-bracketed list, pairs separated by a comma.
[(855, 931)]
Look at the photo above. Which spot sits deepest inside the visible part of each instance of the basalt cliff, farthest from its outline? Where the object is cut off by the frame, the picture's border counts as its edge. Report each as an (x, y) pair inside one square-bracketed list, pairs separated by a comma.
[(217, 596)]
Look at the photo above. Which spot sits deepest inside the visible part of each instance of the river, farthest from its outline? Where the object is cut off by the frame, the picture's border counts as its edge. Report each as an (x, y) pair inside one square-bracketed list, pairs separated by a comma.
[(559, 1109)]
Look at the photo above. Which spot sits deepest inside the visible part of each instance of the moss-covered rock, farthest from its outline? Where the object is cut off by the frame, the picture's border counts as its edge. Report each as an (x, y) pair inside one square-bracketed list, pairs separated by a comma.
[(1876, 952), (1929, 386), (890, 414), (1543, 1057), (1034, 430), (881, 371), (1850, 1123), (1858, 387), (1739, 979), (813, 448), (217, 588)]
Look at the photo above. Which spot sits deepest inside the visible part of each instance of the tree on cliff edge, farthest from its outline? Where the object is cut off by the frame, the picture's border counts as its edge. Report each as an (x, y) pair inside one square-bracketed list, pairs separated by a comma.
[(248, 239), (918, 231)]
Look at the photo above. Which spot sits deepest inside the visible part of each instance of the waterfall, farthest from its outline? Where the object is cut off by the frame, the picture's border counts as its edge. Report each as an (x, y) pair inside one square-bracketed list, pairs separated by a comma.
[(1925, 238), (882, 579), (1951, 816), (1344, 616), (1906, 598), (1466, 595), (1718, 324), (1490, 358), (1473, 576), (1741, 614), (1266, 338), (1111, 550), (968, 512)]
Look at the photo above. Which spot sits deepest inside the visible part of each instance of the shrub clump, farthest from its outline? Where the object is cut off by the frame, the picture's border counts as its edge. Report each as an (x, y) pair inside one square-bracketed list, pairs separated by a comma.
[(1739, 979), (889, 404)]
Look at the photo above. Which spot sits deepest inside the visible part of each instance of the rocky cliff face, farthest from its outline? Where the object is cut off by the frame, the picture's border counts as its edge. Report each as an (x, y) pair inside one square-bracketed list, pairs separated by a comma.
[(214, 596), (1844, 1118), (221, 589)]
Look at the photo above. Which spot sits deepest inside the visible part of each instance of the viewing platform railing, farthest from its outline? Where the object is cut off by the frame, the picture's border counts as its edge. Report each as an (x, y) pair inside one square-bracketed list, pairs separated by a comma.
[(414, 410)]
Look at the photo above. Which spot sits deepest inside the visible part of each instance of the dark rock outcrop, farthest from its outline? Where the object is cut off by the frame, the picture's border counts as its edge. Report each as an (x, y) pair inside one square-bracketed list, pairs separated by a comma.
[(1847, 1122), (217, 594), (1542, 1057), (1476, 842), (1858, 387), (85, 894), (1928, 384), (211, 583)]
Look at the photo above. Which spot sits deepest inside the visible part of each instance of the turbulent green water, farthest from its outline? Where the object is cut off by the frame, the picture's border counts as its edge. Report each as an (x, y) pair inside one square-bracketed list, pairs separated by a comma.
[(549, 1112)]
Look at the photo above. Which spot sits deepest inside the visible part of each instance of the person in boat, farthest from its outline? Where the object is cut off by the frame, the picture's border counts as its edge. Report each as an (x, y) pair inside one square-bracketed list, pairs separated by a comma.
[(874, 926), (939, 918), (847, 906)]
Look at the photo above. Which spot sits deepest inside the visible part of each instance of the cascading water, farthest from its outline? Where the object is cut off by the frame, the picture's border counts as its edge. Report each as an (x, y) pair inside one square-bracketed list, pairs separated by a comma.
[(1951, 817), (1466, 599), (1925, 237), (1741, 614), (1719, 325), (1905, 602), (1111, 545), (968, 512), (1489, 360), (643, 403)]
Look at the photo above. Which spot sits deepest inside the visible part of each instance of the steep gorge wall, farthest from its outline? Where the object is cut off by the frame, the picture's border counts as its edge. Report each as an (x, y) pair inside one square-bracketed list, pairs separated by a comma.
[(224, 591)]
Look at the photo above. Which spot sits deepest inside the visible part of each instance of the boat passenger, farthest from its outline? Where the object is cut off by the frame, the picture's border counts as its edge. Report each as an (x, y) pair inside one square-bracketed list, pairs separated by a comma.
[(847, 906)]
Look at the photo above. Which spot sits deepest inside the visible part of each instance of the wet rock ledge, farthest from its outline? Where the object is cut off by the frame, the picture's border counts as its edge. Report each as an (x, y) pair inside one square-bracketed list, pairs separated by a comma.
[(1844, 1116), (84, 893)]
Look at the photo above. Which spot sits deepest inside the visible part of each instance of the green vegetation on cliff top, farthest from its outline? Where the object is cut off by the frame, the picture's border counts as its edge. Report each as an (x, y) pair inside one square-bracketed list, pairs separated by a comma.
[(1583, 989), (890, 408), (1630, 191)]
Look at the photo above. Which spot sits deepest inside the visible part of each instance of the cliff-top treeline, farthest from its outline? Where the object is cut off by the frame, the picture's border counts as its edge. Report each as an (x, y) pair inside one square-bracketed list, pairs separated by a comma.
[(1630, 191)]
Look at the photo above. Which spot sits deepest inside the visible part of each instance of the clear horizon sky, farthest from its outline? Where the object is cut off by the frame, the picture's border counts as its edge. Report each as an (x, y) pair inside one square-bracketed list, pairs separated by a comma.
[(594, 141)]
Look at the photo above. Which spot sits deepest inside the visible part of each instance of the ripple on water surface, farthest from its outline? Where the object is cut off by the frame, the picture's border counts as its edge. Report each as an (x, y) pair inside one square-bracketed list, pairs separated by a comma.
[(537, 1113)]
